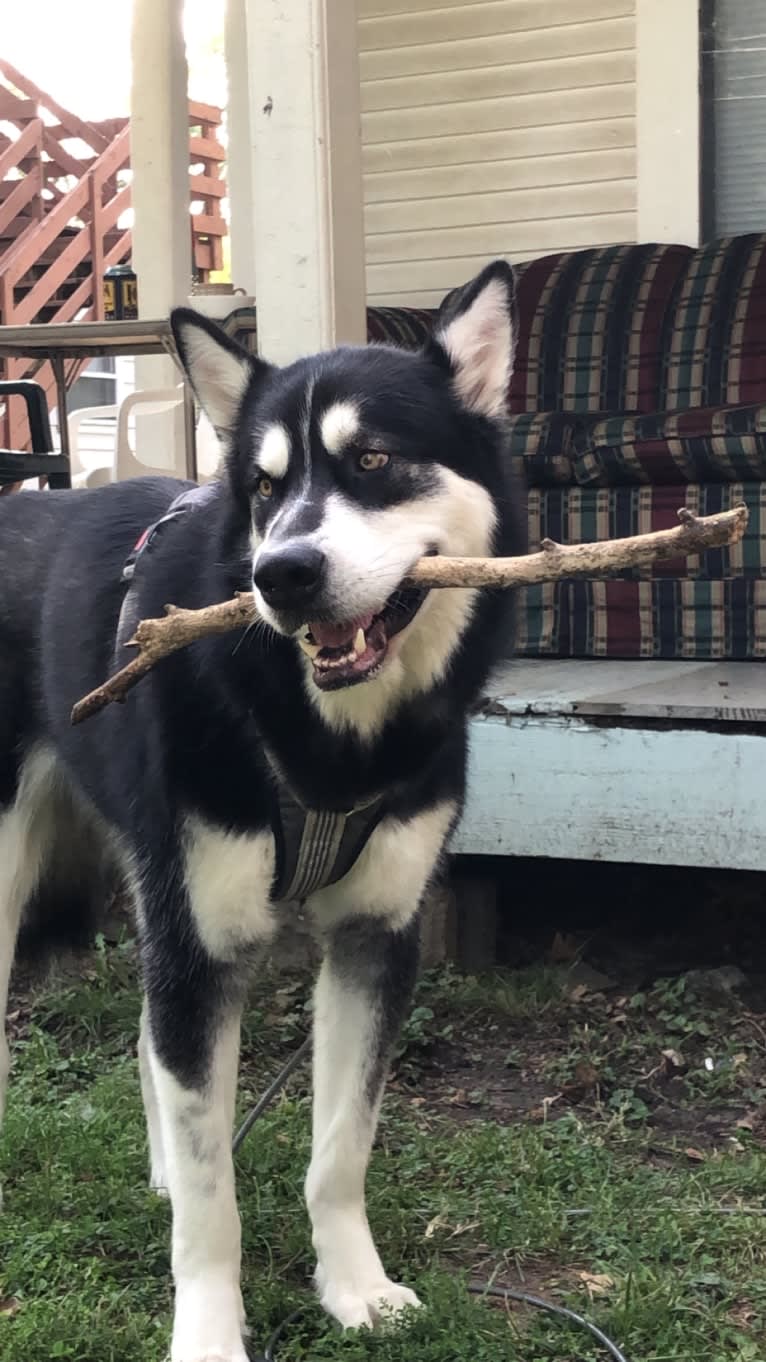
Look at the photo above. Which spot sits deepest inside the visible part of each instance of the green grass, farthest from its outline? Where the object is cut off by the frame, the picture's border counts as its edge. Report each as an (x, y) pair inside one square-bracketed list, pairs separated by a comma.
[(84, 1271)]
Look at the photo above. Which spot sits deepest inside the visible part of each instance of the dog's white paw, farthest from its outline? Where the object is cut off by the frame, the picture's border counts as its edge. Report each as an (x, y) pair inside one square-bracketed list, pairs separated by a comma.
[(239, 1356), (216, 1355), (208, 1326), (357, 1306)]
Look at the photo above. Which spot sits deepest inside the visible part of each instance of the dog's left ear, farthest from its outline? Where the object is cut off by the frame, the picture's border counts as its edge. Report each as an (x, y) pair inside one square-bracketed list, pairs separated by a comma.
[(219, 370), (476, 333)]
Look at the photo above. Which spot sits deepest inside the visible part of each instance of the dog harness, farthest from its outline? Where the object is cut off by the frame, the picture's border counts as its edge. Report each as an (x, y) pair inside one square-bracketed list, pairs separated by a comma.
[(315, 847)]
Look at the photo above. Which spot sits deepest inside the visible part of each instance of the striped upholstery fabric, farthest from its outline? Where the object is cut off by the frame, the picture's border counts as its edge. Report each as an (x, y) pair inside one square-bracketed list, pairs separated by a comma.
[(542, 446), (578, 515), (592, 328), (670, 618), (711, 606), (408, 327), (716, 351), (701, 444)]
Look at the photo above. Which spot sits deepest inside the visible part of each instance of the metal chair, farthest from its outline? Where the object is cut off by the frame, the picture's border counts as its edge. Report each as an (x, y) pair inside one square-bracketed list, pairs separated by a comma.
[(17, 466)]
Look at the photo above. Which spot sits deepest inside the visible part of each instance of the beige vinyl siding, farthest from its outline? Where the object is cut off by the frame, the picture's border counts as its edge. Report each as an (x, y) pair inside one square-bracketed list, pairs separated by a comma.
[(492, 127)]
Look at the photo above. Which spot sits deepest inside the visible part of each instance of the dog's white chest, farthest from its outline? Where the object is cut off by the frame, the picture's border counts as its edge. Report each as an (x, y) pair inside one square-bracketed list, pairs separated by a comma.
[(391, 874)]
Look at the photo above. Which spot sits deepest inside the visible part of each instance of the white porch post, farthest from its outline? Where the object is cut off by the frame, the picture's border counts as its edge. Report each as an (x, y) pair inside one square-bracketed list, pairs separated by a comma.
[(305, 144), (668, 120), (159, 154), (240, 156)]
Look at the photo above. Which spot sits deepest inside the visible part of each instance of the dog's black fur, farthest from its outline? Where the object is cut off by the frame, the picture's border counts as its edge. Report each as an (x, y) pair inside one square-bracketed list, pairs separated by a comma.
[(190, 739)]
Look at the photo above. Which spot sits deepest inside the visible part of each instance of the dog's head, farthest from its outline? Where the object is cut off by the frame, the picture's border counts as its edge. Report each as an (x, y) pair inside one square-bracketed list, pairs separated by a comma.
[(350, 466)]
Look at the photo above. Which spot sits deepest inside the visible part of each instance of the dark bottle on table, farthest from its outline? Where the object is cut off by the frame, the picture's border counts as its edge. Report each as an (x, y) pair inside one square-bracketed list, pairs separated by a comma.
[(120, 294)]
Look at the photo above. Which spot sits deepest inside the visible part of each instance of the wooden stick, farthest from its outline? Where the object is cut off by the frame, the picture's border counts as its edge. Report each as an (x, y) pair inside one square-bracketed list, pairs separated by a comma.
[(158, 638)]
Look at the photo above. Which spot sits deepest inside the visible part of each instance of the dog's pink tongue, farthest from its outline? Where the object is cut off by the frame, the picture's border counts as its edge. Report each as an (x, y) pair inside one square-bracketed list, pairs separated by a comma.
[(336, 635)]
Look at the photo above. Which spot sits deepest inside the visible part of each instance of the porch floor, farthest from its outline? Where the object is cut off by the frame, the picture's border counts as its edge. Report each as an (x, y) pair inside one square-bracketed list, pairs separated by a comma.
[(715, 692)]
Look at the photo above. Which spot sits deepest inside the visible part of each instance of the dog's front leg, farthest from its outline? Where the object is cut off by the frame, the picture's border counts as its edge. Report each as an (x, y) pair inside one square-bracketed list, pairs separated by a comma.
[(193, 1060), (363, 990)]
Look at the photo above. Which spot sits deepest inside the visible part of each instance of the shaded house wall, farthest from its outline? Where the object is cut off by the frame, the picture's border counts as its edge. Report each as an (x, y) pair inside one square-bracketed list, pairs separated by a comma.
[(504, 127)]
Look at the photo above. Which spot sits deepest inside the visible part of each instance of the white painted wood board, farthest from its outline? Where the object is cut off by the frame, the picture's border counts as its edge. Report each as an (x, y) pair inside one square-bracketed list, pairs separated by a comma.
[(565, 787)]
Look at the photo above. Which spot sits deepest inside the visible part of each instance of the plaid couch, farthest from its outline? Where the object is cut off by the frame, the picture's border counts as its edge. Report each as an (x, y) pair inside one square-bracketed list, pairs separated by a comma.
[(639, 387)]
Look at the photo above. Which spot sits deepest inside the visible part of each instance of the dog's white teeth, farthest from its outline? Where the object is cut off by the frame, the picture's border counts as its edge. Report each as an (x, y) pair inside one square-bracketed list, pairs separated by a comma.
[(360, 642), (310, 649)]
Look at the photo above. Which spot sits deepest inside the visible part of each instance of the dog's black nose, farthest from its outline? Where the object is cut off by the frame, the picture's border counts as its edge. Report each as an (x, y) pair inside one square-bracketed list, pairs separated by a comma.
[(289, 577)]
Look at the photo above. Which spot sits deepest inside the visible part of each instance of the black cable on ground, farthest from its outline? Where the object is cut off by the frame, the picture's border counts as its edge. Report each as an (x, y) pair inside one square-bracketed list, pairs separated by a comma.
[(502, 1293), (273, 1090), (475, 1288)]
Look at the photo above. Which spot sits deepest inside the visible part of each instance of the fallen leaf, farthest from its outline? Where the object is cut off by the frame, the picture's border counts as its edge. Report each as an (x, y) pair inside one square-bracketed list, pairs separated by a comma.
[(585, 1081), (577, 993), (695, 1155), (9, 1306), (593, 979), (438, 1223), (541, 1113), (563, 947), (674, 1063), (596, 1283), (464, 1228)]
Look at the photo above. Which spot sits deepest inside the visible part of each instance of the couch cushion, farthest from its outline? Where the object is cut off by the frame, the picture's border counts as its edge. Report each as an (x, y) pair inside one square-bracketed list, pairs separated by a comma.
[(670, 618), (702, 444), (408, 327), (542, 446), (592, 328), (578, 515), (716, 338)]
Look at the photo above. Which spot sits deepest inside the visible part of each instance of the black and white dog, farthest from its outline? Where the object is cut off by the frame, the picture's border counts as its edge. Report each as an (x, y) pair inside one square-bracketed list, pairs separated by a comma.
[(318, 756)]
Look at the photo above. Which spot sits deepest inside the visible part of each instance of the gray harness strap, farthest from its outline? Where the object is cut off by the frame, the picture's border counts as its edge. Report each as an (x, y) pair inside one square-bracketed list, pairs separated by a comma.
[(319, 846)]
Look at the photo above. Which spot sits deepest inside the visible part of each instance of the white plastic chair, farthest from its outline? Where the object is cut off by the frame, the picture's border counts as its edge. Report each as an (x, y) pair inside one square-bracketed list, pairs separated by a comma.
[(92, 445), (159, 404)]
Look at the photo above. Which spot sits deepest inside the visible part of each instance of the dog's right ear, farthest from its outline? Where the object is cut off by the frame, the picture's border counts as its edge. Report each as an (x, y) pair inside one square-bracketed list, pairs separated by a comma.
[(219, 370)]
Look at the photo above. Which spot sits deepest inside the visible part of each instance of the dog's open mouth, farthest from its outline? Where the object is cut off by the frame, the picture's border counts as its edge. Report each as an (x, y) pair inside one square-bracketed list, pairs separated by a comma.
[(345, 654)]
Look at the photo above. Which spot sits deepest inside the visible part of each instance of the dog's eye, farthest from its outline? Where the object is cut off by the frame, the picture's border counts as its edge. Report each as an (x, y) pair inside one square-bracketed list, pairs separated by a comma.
[(265, 487), (370, 460)]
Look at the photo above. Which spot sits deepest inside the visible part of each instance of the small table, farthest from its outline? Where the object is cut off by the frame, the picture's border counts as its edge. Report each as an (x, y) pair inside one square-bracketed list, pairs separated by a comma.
[(86, 340)]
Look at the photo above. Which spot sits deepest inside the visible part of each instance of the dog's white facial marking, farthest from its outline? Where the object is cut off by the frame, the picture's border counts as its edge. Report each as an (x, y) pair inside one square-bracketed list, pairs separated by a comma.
[(390, 877), (219, 376), (273, 455), (195, 1127), (480, 344), (338, 426), (228, 878), (371, 551)]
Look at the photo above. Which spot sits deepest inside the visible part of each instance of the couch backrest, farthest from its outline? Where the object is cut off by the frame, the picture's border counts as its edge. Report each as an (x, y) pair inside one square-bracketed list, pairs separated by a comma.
[(716, 339), (592, 328)]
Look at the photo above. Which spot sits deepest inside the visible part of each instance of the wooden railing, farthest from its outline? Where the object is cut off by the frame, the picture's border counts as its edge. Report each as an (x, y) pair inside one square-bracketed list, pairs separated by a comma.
[(60, 213)]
